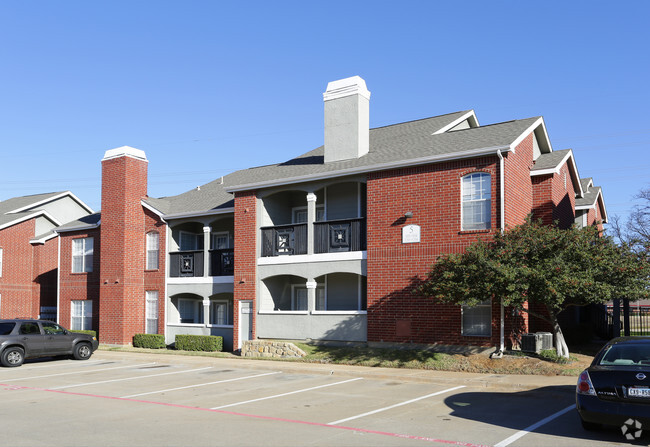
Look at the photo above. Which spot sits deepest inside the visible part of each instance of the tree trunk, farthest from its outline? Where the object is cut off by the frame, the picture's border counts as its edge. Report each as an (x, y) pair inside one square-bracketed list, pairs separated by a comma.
[(561, 347)]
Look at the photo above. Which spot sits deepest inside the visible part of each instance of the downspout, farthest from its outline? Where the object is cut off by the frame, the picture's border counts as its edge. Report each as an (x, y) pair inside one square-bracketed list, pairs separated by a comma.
[(502, 196), (58, 280)]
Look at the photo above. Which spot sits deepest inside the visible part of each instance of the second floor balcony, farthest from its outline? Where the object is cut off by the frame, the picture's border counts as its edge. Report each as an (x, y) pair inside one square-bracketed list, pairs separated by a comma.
[(190, 263), (332, 236)]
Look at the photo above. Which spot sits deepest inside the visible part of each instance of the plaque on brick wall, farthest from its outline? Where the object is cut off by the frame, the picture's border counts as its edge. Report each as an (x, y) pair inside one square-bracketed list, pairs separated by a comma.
[(410, 234)]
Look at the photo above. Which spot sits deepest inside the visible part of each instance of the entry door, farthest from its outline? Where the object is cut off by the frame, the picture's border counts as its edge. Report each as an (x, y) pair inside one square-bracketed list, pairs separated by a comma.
[(245, 321)]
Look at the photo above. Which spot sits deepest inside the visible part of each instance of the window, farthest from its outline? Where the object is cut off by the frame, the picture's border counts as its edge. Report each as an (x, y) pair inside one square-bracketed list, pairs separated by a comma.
[(476, 194), (1, 262), (221, 240), (191, 241), (299, 214), (152, 250), (190, 311), (82, 315), (82, 255), (151, 312), (299, 299), (50, 328), (477, 320), (221, 313)]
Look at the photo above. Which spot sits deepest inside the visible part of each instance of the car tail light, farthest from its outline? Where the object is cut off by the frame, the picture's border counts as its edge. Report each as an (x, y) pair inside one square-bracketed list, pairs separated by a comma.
[(584, 385)]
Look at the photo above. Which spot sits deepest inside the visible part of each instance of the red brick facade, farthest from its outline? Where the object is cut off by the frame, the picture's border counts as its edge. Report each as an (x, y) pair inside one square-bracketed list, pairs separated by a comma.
[(78, 286), (245, 256), (28, 279), (124, 224), (432, 193)]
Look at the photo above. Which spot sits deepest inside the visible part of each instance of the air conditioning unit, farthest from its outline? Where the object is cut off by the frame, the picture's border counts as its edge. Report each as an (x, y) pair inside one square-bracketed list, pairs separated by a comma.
[(536, 342)]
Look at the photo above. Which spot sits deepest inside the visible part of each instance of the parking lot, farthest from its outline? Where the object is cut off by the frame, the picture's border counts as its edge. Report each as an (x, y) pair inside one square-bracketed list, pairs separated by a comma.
[(127, 399)]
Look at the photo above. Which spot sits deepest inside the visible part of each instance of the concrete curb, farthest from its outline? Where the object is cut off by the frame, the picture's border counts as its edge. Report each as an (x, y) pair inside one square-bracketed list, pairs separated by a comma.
[(506, 382)]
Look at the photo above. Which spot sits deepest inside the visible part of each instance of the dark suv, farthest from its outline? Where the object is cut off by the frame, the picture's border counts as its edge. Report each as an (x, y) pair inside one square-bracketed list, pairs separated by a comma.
[(26, 339)]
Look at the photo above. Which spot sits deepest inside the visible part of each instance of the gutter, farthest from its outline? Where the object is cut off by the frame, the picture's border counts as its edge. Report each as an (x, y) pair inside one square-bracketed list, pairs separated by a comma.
[(502, 196)]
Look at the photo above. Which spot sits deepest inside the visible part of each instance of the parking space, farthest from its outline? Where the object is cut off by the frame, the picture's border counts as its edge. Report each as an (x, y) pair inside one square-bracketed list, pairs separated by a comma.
[(129, 399)]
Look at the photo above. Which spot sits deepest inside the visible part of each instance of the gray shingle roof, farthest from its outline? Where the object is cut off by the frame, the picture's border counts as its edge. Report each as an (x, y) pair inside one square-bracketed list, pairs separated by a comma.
[(406, 142), (85, 222), (23, 202), (551, 160), (589, 198)]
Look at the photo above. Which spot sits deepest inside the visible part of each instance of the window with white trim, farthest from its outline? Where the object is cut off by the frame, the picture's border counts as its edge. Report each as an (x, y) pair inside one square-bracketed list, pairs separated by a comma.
[(221, 312), (81, 318), (299, 297), (151, 312), (191, 241), (82, 255), (152, 250), (476, 203), (477, 320), (190, 311), (299, 214), (220, 240)]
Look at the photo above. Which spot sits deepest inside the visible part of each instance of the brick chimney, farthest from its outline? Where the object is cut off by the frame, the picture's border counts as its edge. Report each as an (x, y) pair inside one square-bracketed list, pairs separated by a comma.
[(347, 119), (121, 292)]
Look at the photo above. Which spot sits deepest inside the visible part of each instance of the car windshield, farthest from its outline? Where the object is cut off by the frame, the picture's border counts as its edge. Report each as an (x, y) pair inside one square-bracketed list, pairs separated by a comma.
[(633, 354), (6, 328)]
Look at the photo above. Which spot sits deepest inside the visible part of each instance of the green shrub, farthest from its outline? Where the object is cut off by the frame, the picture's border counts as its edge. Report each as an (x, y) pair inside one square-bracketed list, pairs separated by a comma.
[(199, 342), (91, 333), (151, 341)]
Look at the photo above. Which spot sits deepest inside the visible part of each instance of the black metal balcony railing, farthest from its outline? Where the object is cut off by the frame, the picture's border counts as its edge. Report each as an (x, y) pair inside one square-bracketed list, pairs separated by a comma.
[(340, 235), (222, 262), (186, 263), (329, 237), (284, 240), (190, 263)]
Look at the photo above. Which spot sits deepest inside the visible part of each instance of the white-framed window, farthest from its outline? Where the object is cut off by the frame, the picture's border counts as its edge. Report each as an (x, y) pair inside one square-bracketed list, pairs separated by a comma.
[(299, 214), (190, 311), (1, 253), (476, 203), (151, 312), (342, 292), (82, 255), (153, 244), (477, 320), (220, 240), (221, 312), (191, 241), (299, 300), (81, 315)]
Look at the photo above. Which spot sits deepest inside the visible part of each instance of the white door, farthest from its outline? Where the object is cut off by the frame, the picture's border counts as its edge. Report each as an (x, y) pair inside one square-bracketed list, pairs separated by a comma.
[(245, 321)]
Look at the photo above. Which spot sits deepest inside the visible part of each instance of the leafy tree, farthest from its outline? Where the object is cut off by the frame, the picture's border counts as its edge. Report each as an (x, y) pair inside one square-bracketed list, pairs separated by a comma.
[(543, 264)]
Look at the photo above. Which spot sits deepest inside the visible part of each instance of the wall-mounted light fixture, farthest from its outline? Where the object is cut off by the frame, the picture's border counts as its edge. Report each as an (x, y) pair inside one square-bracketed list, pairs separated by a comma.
[(408, 214)]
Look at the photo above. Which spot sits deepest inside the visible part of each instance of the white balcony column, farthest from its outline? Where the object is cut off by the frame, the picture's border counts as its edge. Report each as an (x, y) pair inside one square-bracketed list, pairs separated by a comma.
[(206, 251), (311, 218), (206, 312), (311, 295)]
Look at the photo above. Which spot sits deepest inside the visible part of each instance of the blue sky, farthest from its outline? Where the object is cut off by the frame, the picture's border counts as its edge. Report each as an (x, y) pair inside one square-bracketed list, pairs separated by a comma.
[(209, 87)]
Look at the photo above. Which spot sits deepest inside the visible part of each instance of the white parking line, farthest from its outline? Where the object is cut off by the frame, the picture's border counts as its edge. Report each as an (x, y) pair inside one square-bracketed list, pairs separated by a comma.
[(533, 427), (200, 384), (128, 378), (284, 394), (395, 406), (76, 372)]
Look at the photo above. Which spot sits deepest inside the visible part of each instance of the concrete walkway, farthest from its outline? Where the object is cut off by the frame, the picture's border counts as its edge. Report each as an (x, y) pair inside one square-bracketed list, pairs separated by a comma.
[(510, 382)]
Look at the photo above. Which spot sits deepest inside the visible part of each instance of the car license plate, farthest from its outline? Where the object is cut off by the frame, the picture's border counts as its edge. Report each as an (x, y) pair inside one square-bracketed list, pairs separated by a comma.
[(638, 392)]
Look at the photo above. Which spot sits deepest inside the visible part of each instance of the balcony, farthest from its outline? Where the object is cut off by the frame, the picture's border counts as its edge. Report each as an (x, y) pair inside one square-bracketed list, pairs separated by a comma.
[(340, 235), (284, 240), (190, 264), (332, 236)]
